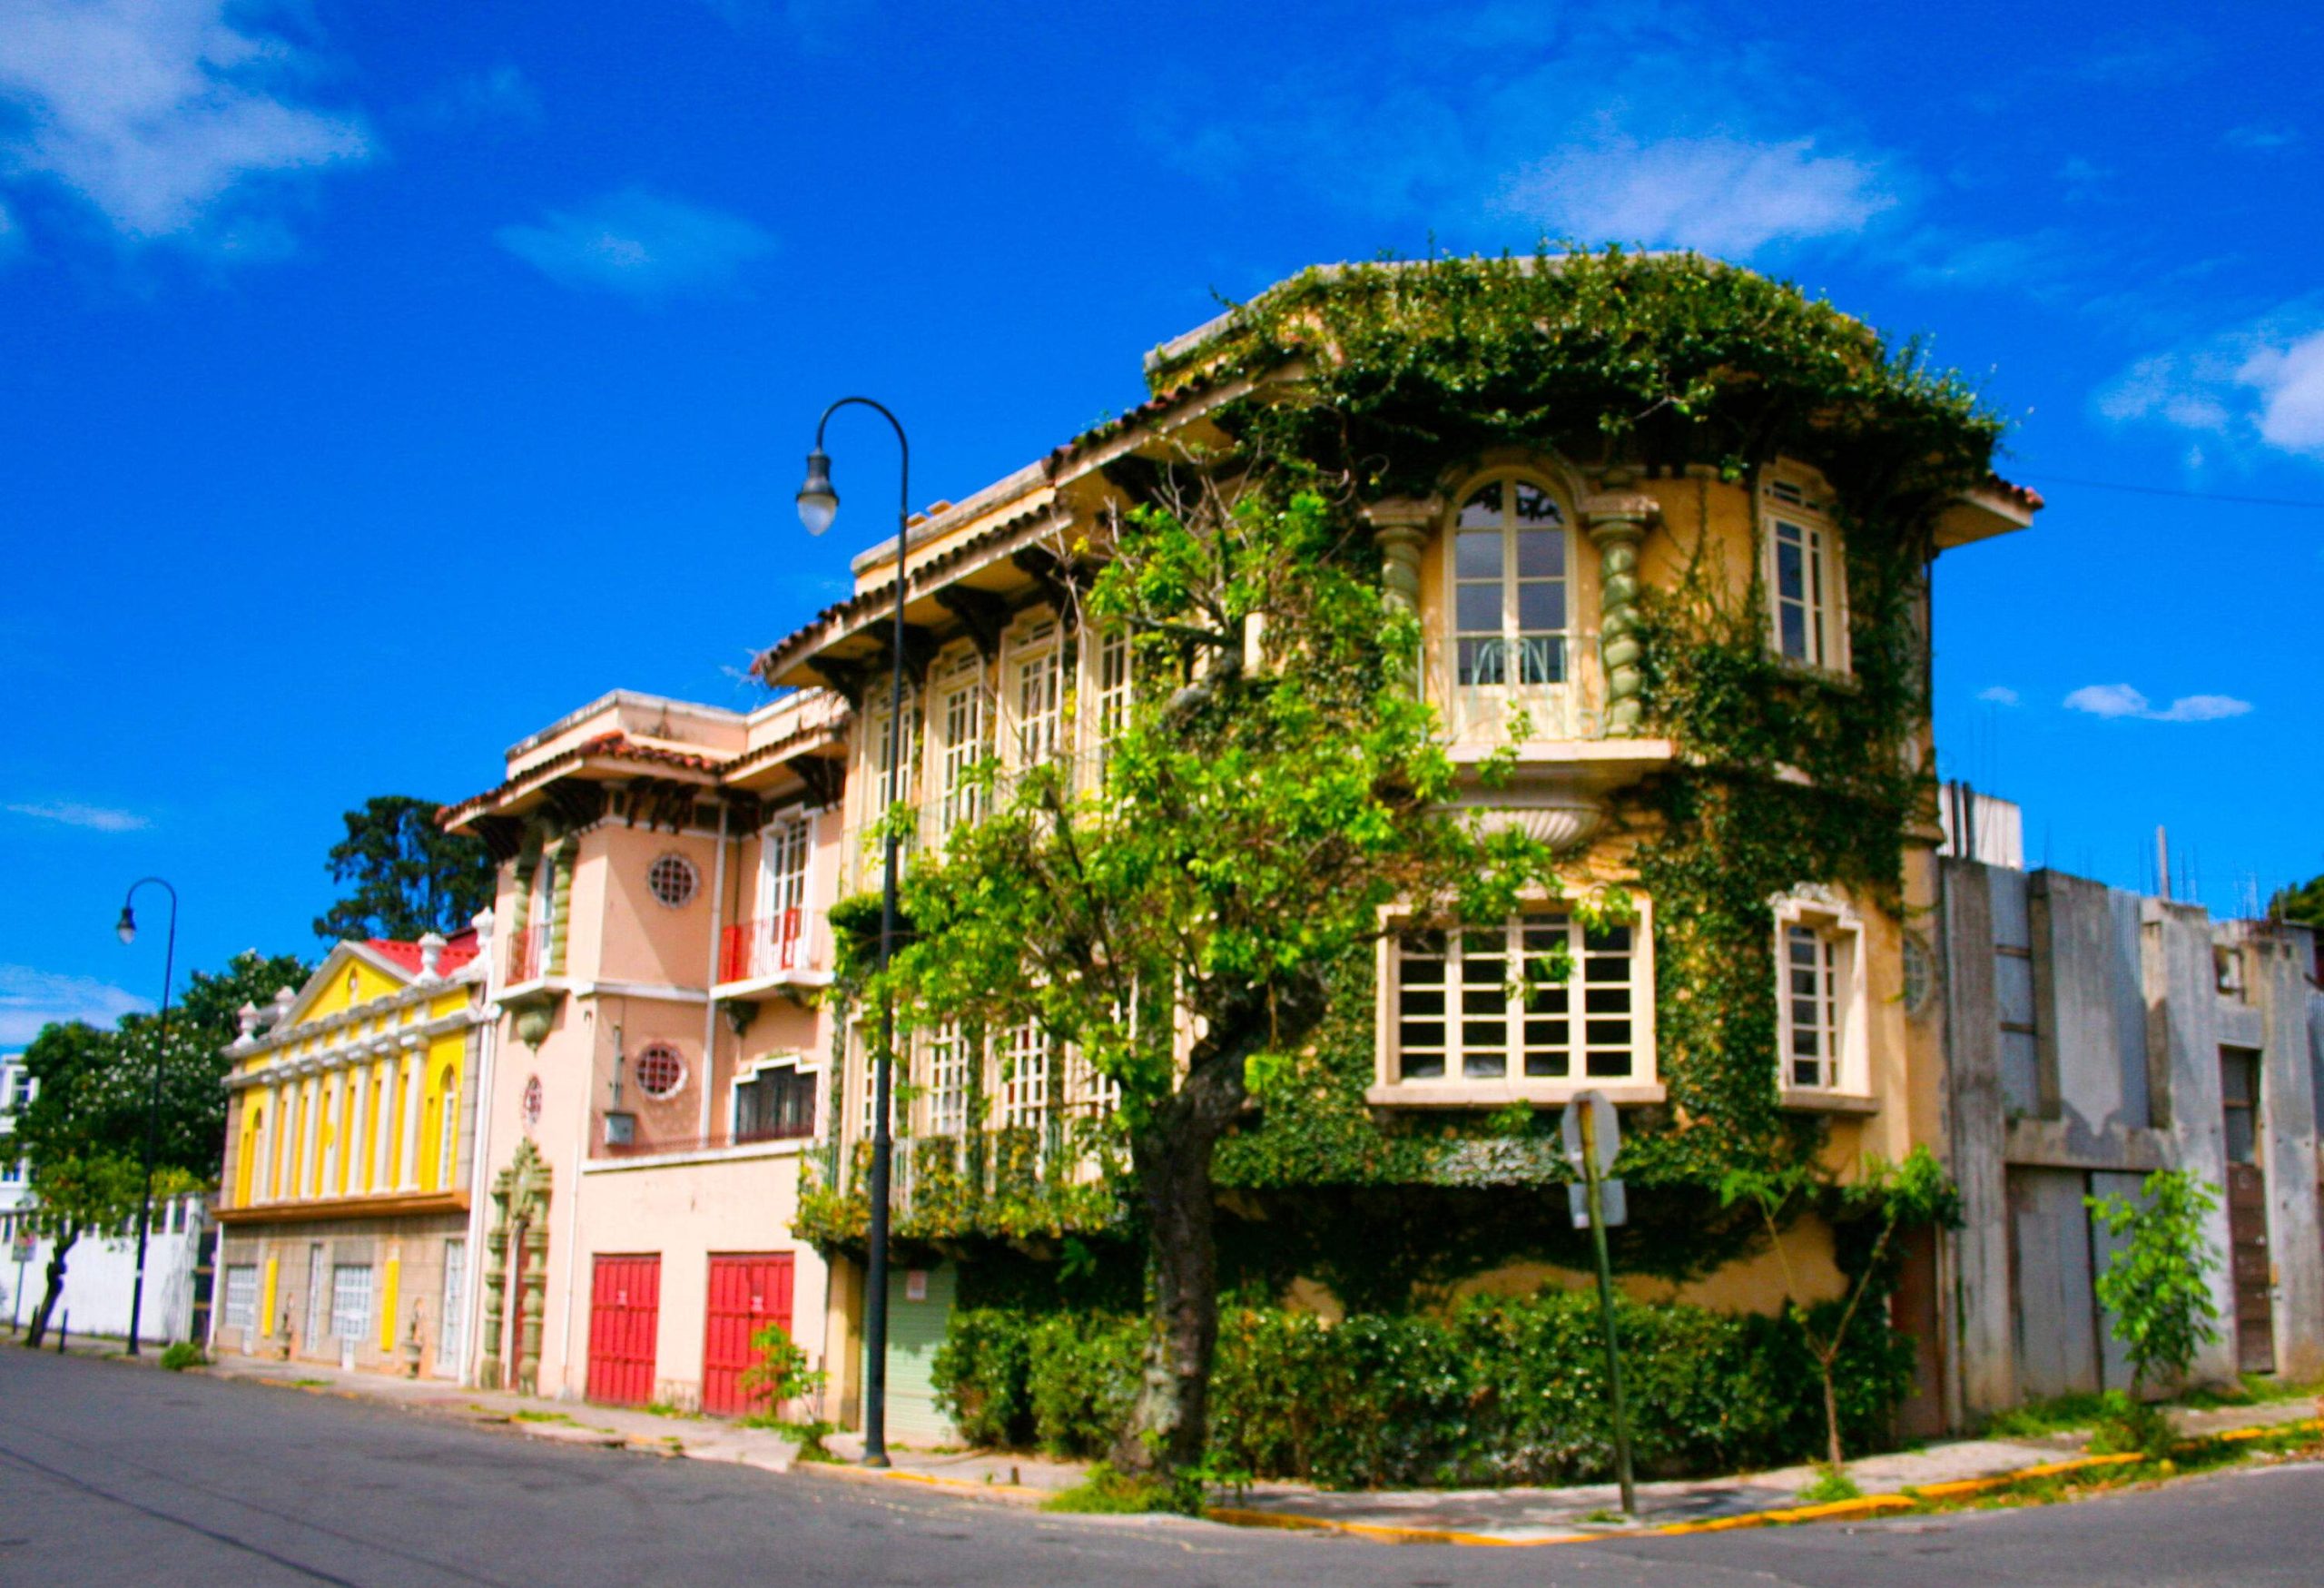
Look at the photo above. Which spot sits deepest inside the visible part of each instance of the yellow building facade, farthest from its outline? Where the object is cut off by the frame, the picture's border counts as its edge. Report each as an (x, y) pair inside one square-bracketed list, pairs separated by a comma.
[(344, 1199)]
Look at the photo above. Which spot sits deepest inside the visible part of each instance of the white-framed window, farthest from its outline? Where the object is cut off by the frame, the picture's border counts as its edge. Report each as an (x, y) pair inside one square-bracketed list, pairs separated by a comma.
[(239, 1310), (863, 1044), (1110, 685), (1537, 1008), (1036, 695), (1509, 557), (1024, 1076), (1804, 578), (1821, 1040), (1086, 1090), (350, 1300), (959, 722), (887, 788), (672, 879), (951, 1055)]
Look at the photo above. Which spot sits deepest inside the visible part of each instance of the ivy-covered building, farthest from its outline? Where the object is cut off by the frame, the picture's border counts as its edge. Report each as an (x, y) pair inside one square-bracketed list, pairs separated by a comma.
[(1668, 528)]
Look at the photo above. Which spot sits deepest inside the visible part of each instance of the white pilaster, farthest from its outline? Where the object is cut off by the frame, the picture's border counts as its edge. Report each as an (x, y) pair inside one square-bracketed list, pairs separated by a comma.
[(415, 1066)]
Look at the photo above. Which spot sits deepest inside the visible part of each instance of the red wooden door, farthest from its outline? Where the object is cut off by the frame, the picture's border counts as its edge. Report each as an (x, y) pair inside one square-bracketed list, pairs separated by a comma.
[(748, 1291), (625, 1309)]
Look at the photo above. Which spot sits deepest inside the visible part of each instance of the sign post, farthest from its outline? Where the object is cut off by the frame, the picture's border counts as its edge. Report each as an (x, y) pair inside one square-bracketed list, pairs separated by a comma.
[(1593, 1139), (23, 1245)]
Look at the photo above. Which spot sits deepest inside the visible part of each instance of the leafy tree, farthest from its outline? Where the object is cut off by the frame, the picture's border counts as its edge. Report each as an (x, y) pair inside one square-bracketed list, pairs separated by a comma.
[(405, 875), (2157, 1286), (203, 1020), (1890, 1197), (82, 1138), (1273, 789), (2304, 903)]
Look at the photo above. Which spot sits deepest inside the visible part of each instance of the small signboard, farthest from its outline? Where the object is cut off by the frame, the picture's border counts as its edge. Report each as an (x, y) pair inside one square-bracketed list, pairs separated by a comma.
[(1604, 1126), (915, 1284), (1610, 1192)]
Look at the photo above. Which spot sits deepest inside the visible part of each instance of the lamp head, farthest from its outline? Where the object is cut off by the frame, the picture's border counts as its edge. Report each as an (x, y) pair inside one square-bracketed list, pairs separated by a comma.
[(127, 925), (818, 502)]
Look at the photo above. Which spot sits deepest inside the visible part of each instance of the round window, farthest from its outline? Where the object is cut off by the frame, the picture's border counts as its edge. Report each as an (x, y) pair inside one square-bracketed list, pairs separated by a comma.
[(660, 1071), (672, 879), (531, 1105)]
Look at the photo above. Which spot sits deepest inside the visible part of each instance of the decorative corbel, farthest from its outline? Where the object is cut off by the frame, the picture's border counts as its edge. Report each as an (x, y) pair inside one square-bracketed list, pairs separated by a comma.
[(983, 613)]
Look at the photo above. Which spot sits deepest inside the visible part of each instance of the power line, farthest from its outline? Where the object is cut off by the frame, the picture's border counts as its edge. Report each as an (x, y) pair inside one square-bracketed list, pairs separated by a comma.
[(2159, 490)]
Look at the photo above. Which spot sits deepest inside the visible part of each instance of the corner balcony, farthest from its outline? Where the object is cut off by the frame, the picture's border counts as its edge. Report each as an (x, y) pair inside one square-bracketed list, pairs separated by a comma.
[(774, 954)]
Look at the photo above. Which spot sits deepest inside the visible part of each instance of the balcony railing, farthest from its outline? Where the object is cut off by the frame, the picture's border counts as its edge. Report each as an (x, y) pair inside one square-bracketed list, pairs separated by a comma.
[(528, 955), (793, 943), (1478, 712), (642, 1146)]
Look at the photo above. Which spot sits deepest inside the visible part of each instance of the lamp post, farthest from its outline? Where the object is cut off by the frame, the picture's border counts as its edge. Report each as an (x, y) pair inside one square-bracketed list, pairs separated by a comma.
[(818, 506), (127, 928)]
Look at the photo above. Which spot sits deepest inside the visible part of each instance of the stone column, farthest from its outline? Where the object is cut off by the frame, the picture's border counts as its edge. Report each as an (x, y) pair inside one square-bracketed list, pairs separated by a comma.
[(1616, 523), (1399, 527)]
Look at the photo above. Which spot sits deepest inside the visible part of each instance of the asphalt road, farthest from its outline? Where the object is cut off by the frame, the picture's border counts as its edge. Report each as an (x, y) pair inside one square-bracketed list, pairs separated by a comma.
[(112, 1474)]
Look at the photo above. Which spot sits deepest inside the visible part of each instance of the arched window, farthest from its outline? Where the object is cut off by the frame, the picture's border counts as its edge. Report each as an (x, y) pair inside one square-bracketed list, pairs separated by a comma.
[(1509, 565)]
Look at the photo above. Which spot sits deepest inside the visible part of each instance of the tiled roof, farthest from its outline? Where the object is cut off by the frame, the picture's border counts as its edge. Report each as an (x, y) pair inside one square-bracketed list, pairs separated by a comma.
[(618, 746), (459, 950), (2024, 496)]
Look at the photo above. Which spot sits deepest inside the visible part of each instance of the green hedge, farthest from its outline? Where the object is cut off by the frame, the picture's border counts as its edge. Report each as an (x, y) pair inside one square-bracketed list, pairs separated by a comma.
[(1494, 1392)]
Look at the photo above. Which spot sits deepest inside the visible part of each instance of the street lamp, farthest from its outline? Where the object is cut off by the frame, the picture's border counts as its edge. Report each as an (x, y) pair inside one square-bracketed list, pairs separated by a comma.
[(818, 506), (127, 929)]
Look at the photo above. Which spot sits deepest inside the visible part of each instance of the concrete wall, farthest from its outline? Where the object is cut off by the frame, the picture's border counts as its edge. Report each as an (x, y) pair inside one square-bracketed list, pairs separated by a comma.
[(2083, 1027), (100, 1273)]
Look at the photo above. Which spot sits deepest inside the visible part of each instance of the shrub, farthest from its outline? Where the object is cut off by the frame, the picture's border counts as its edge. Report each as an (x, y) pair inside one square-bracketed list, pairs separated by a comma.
[(182, 1354), (1491, 1392)]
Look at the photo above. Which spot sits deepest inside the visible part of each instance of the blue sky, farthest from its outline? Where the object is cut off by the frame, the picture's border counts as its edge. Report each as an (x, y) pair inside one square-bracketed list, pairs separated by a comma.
[(342, 343)]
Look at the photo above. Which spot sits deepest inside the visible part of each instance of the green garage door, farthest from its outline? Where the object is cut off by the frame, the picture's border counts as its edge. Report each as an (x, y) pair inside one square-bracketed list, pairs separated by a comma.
[(920, 1302)]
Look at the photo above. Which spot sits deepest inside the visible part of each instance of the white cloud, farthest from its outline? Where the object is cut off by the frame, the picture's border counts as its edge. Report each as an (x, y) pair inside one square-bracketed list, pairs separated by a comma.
[(639, 244), (1631, 121), (158, 113), (1999, 695), (2120, 700), (2260, 140), (1718, 194), (96, 818), (2260, 385), (31, 999)]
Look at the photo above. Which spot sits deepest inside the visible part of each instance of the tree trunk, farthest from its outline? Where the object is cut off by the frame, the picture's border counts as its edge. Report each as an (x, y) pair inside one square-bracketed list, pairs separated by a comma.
[(56, 1290), (1170, 1419), (1831, 1417)]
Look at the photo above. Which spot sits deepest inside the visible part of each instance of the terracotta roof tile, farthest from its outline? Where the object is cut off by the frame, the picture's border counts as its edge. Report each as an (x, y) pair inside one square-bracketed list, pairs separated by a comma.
[(459, 950)]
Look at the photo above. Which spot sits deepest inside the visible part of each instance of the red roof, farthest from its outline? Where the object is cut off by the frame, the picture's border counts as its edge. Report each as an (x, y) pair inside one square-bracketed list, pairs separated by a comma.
[(459, 950), (617, 744), (2024, 496)]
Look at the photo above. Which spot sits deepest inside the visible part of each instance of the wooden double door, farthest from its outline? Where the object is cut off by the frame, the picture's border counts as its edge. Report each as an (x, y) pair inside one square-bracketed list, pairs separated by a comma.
[(748, 1291)]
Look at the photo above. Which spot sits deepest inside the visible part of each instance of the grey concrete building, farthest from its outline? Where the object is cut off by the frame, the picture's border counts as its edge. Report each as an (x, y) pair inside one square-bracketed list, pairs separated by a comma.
[(2092, 1036)]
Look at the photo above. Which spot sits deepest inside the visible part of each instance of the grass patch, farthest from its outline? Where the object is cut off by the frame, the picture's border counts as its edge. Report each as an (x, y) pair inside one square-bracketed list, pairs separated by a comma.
[(2254, 1389), (533, 1416), (665, 1409), (2064, 1414), (182, 1354), (808, 1436), (310, 1384), (1107, 1493), (1832, 1484), (1604, 1513)]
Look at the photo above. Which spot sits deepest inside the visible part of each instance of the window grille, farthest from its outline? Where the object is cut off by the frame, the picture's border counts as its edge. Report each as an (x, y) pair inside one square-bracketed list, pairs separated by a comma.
[(948, 1054), (350, 1300), (660, 1071), (1037, 695), (1487, 1005), (1113, 685), (961, 716), (672, 879), (240, 1309), (1024, 1075)]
